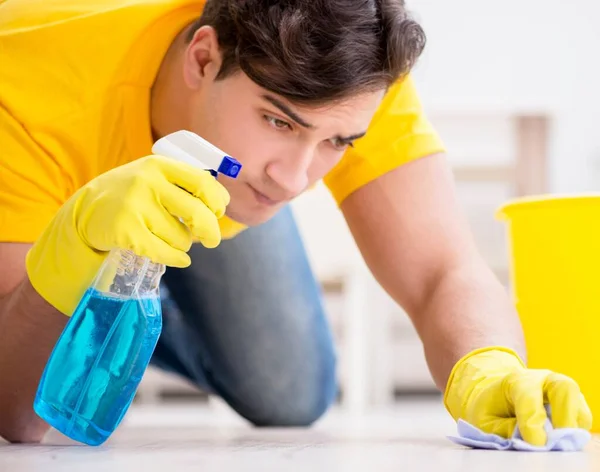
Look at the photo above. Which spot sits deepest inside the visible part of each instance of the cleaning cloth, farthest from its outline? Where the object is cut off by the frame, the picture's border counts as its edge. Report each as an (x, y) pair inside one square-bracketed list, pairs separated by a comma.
[(561, 439)]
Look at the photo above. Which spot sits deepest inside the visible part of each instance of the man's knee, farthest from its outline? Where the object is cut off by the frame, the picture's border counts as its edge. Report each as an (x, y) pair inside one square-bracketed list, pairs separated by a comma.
[(285, 403), (301, 408)]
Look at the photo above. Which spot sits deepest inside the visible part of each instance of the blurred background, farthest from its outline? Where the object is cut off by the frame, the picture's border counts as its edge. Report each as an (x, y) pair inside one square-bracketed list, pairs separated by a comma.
[(511, 86)]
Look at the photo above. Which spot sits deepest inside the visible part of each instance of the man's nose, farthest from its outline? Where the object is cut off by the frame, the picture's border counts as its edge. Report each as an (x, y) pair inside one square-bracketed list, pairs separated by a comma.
[(291, 172)]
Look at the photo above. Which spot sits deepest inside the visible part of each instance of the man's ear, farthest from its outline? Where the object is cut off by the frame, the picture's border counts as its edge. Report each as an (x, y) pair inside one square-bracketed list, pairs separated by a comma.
[(202, 57)]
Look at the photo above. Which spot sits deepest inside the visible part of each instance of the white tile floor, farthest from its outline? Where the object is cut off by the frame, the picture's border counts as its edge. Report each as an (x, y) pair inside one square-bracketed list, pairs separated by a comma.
[(410, 437)]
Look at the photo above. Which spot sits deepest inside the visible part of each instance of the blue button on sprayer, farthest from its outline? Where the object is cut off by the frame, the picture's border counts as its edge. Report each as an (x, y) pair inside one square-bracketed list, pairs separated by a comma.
[(230, 167)]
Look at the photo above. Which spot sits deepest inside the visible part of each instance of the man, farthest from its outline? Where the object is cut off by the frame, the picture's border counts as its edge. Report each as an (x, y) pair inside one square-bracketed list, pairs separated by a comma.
[(297, 90)]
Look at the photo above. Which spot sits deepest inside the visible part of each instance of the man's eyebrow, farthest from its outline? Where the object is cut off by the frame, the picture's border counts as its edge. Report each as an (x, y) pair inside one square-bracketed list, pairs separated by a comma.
[(349, 139), (288, 111), (302, 122)]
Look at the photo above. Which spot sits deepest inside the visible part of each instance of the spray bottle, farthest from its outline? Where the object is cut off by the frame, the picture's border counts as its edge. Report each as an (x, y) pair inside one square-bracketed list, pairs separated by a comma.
[(96, 366)]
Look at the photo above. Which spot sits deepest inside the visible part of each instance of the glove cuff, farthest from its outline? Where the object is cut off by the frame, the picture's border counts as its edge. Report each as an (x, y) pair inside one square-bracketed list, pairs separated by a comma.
[(483, 363), (60, 266)]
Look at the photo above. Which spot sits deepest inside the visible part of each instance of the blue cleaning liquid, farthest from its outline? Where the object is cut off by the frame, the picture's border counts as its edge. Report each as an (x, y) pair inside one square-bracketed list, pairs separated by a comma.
[(97, 364)]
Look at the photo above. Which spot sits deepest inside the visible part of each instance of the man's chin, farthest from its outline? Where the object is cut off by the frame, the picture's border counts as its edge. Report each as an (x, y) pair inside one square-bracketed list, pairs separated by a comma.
[(252, 218)]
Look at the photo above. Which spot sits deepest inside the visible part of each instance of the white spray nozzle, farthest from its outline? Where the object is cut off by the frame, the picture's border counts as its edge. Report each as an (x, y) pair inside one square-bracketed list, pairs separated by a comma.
[(190, 148)]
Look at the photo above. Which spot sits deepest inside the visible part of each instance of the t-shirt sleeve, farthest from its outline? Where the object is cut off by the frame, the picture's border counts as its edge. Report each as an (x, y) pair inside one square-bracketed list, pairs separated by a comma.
[(398, 133), (30, 189)]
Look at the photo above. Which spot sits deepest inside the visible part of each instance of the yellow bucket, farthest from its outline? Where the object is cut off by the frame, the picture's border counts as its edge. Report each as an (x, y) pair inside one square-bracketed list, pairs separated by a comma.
[(554, 246)]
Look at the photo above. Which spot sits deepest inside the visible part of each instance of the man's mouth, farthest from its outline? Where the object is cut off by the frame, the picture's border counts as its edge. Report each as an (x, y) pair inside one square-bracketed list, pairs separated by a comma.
[(263, 199)]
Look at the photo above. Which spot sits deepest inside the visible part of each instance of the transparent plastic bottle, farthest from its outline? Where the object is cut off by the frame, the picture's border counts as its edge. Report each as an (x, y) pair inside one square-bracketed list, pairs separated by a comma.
[(98, 362), (96, 366)]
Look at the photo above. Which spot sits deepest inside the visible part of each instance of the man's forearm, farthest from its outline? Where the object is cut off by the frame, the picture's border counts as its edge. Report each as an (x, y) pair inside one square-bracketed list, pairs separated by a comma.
[(29, 328), (468, 309)]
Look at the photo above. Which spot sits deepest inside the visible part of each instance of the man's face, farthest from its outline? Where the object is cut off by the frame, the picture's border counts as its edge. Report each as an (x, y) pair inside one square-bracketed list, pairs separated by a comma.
[(283, 148)]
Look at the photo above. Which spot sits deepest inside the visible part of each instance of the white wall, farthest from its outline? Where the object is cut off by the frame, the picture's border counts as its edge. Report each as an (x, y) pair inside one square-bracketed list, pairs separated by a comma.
[(520, 55)]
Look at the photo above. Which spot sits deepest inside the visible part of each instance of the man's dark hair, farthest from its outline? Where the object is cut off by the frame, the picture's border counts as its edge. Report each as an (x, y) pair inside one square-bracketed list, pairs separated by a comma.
[(315, 51)]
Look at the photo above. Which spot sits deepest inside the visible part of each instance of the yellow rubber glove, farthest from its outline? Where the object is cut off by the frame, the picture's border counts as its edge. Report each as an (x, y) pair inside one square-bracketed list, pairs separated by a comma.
[(493, 390), (135, 206)]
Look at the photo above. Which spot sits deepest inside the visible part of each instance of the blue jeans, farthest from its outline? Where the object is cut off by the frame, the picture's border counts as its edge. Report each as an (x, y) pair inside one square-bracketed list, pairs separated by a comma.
[(246, 322)]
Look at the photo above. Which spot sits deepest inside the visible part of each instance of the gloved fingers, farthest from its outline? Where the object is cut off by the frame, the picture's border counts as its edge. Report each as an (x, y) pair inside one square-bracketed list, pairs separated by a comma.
[(563, 395), (168, 228), (201, 221), (205, 228), (503, 427), (566, 401), (585, 417), (527, 396), (224, 192), (160, 251), (199, 183), (212, 193)]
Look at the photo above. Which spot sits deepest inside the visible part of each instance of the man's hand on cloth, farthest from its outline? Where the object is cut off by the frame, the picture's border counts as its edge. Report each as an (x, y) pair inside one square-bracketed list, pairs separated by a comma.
[(492, 390)]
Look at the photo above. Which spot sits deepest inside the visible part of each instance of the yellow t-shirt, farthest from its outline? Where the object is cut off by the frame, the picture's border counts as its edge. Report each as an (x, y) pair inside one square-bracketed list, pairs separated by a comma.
[(75, 79)]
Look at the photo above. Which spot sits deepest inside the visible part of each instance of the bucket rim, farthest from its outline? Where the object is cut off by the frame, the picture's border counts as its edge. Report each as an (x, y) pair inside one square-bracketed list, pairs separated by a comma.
[(543, 200)]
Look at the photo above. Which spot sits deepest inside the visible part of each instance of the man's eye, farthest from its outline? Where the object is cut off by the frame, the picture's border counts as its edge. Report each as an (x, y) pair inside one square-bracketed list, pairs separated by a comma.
[(341, 145), (277, 123)]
